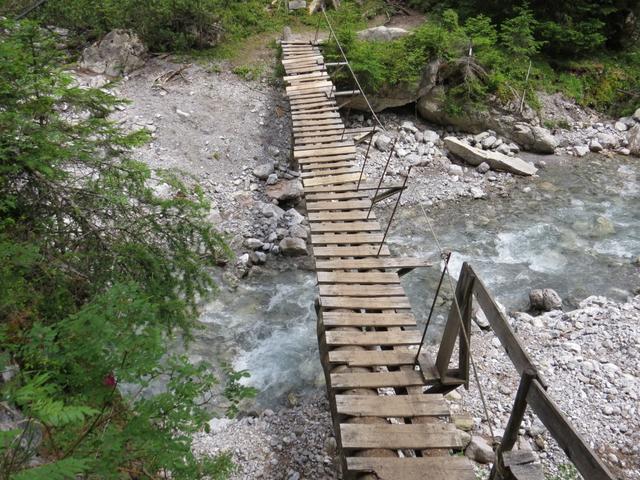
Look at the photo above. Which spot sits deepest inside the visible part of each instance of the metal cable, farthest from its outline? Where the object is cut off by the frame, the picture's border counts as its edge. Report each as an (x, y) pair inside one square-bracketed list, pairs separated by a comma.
[(324, 12), (463, 329)]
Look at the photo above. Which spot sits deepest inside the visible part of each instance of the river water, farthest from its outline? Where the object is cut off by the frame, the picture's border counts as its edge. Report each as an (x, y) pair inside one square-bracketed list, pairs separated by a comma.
[(575, 229)]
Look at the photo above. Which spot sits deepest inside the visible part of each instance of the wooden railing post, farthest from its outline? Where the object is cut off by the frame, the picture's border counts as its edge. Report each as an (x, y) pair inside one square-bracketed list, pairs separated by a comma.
[(515, 420), (452, 330)]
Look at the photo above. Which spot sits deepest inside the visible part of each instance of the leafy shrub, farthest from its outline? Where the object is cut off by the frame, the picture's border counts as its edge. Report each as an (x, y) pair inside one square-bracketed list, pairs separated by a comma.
[(97, 276)]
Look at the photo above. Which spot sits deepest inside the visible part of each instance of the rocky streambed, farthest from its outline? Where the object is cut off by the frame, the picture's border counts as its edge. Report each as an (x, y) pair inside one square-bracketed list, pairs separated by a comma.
[(574, 227)]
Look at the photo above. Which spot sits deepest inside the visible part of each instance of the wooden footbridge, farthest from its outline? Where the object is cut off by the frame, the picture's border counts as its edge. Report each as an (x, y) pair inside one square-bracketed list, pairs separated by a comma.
[(390, 418)]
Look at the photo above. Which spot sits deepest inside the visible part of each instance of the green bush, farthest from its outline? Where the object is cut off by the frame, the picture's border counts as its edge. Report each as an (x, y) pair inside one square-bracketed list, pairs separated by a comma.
[(98, 275)]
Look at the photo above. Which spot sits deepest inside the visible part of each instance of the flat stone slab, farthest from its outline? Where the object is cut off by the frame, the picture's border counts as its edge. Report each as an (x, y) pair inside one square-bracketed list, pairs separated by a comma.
[(496, 160)]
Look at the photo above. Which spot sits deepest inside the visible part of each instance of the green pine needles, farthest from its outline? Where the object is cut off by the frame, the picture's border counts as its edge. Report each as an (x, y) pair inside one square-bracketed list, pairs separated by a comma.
[(98, 275)]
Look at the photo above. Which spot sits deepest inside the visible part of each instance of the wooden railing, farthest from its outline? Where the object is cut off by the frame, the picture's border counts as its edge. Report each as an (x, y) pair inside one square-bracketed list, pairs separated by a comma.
[(532, 390)]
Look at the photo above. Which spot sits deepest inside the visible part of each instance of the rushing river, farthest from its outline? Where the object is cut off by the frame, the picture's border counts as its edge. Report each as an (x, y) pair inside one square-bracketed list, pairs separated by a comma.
[(575, 229)]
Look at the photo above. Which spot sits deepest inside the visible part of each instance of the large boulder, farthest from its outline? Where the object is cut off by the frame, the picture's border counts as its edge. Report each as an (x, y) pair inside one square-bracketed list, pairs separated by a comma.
[(533, 138), (119, 52), (496, 160), (285, 190), (293, 246), (633, 136), (382, 34)]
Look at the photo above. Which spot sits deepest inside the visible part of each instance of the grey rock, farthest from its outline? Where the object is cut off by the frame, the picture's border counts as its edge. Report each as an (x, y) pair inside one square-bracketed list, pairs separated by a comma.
[(481, 320), (483, 167), (497, 161), (607, 140), (253, 243), (381, 34), (298, 231), (297, 4), (244, 260), (272, 179), (546, 300), (285, 190), (431, 136), (258, 258), (119, 52), (263, 171), (479, 450), (294, 217), (409, 126), (581, 150), (621, 126), (636, 115), (488, 142), (419, 136), (595, 146), (383, 143), (504, 149), (536, 139), (455, 170), (477, 193), (293, 246), (633, 137), (270, 210)]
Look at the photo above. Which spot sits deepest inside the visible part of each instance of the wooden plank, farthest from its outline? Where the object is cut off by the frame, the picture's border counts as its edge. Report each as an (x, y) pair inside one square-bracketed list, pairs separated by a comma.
[(376, 379), (328, 122), (317, 68), (303, 87), (309, 100), (333, 179), (325, 166), (316, 116), (372, 358), (392, 406), (372, 290), (365, 302), (399, 436), (318, 139), (327, 159), (585, 460), (340, 216), (304, 76), (372, 263), (338, 205), (316, 128), (347, 238), (318, 109), (325, 171), (414, 468), (354, 319), (369, 339), (364, 185), (344, 227), (337, 196), (359, 251), (323, 149)]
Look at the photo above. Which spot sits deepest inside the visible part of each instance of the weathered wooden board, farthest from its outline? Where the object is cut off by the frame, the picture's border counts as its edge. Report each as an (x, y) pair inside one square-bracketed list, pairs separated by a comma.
[(344, 227), (376, 379), (373, 290), (336, 196), (329, 171), (372, 358), (338, 204), (392, 406), (347, 238), (324, 166), (414, 468), (399, 436), (359, 251), (355, 319), (369, 339), (372, 263), (315, 116), (324, 148), (332, 179), (365, 302), (340, 216), (326, 159)]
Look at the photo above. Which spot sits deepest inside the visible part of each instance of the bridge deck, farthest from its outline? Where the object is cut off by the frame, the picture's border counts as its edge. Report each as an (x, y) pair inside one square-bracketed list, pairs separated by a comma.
[(386, 426)]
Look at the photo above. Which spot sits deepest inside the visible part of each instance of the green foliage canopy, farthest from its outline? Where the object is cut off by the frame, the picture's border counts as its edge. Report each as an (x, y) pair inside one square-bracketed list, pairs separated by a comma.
[(97, 275)]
